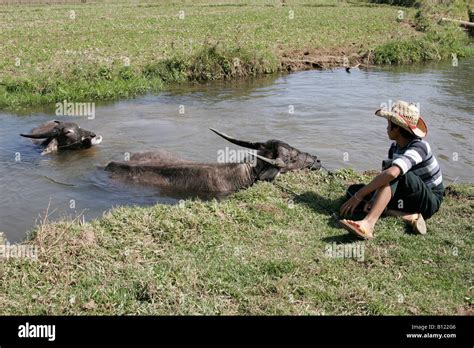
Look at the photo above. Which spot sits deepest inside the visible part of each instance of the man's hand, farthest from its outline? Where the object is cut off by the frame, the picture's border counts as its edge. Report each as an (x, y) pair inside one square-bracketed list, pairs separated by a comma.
[(368, 206), (348, 207), (380, 180)]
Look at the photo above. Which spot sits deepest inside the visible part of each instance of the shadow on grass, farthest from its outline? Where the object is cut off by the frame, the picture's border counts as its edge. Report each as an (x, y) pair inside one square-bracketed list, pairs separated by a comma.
[(330, 207)]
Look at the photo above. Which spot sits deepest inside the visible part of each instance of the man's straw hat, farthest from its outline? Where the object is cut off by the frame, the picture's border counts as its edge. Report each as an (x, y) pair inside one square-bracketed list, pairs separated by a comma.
[(407, 116)]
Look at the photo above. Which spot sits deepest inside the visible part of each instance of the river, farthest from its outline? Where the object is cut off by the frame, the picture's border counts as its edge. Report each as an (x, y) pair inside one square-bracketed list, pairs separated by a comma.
[(327, 113)]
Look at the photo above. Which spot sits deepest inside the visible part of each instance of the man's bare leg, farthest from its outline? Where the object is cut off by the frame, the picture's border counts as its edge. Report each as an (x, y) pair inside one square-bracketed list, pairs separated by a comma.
[(408, 217), (414, 219), (384, 194)]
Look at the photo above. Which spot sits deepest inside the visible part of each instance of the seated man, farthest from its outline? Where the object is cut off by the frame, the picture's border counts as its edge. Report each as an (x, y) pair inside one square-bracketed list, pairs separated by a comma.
[(411, 184)]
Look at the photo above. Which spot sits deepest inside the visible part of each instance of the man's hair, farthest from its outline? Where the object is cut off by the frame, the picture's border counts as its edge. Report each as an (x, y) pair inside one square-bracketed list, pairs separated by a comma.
[(403, 131)]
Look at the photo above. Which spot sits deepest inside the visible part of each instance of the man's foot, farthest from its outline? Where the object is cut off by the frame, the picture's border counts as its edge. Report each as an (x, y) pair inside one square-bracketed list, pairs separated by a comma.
[(419, 225), (416, 220), (362, 229)]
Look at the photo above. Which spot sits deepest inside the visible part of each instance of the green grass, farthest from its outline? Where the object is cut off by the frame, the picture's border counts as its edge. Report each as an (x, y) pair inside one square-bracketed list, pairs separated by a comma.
[(46, 56), (261, 252), (425, 48), (447, 8), (440, 40)]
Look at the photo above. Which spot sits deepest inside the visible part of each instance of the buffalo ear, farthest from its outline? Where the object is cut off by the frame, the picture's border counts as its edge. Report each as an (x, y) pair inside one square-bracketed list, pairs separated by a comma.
[(51, 148), (269, 174)]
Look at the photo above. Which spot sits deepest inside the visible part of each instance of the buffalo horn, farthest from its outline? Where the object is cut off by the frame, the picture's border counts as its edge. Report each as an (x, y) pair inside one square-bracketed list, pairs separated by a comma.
[(45, 135), (243, 143), (277, 163)]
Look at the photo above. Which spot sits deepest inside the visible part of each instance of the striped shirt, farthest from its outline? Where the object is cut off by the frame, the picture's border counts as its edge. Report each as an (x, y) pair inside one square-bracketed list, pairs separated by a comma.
[(417, 157)]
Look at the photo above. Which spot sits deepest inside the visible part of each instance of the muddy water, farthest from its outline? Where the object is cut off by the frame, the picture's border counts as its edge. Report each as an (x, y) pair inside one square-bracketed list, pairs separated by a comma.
[(327, 113)]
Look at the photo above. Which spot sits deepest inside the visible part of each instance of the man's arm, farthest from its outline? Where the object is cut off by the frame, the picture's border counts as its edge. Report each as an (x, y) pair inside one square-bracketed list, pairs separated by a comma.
[(380, 180)]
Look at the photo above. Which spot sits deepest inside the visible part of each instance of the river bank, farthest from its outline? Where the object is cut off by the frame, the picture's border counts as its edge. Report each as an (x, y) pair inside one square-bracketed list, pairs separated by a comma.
[(304, 109), (263, 251), (94, 51)]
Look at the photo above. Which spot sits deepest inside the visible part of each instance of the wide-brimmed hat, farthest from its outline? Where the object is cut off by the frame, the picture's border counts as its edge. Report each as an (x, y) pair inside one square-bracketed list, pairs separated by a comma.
[(407, 116)]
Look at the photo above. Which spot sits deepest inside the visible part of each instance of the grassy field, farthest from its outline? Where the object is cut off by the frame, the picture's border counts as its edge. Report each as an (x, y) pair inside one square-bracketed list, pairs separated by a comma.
[(108, 50), (263, 251)]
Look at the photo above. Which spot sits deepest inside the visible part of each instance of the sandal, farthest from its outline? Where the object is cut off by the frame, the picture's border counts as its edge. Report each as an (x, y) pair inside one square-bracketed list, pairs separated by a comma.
[(419, 225), (355, 229)]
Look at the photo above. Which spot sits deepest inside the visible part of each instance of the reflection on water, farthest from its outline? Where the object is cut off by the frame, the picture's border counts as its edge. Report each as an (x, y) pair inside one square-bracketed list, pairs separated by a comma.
[(333, 117)]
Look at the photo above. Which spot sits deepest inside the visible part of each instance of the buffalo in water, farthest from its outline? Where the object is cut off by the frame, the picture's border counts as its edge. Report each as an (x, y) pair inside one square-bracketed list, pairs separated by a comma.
[(58, 135), (166, 170)]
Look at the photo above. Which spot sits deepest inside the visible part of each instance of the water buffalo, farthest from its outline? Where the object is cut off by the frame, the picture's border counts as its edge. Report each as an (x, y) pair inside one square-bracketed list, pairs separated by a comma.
[(293, 158), (59, 135), (167, 170)]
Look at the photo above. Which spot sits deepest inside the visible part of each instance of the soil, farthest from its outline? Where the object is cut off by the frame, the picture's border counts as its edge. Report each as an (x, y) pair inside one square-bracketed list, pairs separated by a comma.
[(307, 59)]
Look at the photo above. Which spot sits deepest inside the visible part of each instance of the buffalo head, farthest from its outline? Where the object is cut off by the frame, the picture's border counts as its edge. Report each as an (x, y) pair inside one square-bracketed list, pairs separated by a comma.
[(281, 155), (59, 135)]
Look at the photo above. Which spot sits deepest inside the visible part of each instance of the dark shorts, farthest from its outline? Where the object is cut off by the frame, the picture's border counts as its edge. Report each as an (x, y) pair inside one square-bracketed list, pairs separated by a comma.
[(409, 194)]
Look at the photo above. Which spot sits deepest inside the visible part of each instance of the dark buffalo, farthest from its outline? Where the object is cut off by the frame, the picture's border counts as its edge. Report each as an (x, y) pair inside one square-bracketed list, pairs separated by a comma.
[(59, 135), (167, 170)]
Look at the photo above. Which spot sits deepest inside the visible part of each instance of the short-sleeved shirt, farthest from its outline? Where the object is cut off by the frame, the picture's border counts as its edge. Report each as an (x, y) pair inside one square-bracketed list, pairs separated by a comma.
[(417, 157)]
